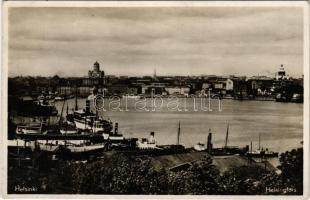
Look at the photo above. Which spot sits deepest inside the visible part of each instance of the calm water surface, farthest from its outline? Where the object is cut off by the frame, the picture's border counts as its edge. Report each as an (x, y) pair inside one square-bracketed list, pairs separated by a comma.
[(280, 124)]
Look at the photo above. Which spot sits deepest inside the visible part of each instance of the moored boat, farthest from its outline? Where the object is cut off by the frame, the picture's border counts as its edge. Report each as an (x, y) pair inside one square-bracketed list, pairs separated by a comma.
[(86, 120), (297, 98), (282, 97), (32, 128), (68, 130), (131, 96), (200, 147), (150, 143), (261, 152), (59, 98), (86, 148)]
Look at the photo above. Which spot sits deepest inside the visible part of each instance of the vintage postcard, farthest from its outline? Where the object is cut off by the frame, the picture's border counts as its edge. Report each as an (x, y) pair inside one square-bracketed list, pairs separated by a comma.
[(203, 99)]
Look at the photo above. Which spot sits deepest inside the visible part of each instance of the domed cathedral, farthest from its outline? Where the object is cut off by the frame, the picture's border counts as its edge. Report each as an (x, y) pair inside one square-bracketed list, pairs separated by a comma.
[(95, 82), (96, 72)]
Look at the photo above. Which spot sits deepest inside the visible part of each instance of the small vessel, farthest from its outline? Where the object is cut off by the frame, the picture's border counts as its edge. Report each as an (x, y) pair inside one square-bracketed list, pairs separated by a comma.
[(261, 152), (27, 106), (131, 96), (297, 98), (205, 147), (32, 128), (45, 105), (49, 147), (45, 97), (200, 147), (282, 97), (86, 148), (68, 130), (69, 146), (113, 137), (145, 143), (41, 97), (59, 98), (223, 151)]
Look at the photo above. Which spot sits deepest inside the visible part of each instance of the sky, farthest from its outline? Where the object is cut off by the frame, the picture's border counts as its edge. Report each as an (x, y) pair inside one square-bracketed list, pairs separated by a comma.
[(173, 40)]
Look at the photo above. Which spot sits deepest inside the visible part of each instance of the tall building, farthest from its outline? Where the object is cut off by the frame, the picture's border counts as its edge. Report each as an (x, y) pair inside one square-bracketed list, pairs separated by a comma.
[(281, 74), (96, 72), (95, 81), (95, 77)]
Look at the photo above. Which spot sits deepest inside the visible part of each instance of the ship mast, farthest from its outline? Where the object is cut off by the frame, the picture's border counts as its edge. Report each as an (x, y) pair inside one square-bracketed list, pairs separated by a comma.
[(76, 106), (259, 141), (62, 109), (251, 147), (226, 138), (179, 132), (67, 110)]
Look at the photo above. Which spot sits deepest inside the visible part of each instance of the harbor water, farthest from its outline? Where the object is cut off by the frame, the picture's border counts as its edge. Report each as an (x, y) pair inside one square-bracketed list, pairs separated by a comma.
[(279, 124)]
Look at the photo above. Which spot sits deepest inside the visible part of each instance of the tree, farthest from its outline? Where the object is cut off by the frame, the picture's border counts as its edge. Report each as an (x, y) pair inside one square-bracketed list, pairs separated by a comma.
[(201, 178), (291, 166), (243, 180), (119, 175)]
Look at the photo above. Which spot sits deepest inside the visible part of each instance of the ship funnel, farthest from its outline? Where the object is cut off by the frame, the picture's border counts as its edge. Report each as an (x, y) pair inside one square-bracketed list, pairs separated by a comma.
[(116, 129), (209, 143), (152, 137), (87, 107)]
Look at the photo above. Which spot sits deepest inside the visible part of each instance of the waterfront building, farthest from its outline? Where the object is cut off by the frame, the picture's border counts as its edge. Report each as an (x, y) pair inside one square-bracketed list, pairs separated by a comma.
[(155, 88), (281, 74), (83, 86), (240, 87), (120, 89), (222, 85), (206, 86), (144, 88), (143, 81), (85, 90), (65, 90), (260, 85), (229, 85), (183, 90)]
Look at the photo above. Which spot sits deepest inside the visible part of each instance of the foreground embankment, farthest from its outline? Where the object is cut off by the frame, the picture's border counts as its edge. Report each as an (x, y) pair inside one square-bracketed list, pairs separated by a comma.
[(189, 173)]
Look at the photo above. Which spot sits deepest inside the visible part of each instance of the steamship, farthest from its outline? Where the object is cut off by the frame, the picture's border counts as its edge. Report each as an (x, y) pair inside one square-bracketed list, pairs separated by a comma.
[(261, 152), (222, 151), (85, 119)]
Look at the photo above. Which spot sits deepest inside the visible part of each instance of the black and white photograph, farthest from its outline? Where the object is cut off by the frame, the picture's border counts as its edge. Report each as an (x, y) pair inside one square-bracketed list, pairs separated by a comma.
[(155, 98)]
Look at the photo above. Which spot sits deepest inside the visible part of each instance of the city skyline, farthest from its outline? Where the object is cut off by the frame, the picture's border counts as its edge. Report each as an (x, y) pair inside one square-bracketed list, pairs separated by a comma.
[(184, 41), (152, 75)]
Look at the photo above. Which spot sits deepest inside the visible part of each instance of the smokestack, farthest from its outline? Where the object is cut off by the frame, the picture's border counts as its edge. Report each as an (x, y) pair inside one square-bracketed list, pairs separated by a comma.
[(152, 137), (179, 132), (116, 129), (209, 143), (76, 106), (87, 106)]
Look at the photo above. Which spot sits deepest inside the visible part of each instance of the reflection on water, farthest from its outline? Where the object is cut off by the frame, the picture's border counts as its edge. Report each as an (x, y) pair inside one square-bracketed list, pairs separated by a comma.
[(280, 124)]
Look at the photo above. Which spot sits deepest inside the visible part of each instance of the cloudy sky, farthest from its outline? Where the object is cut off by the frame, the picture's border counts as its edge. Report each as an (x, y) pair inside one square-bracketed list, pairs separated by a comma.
[(175, 41)]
